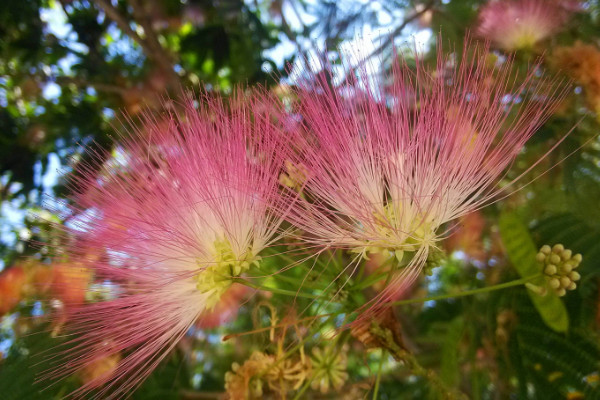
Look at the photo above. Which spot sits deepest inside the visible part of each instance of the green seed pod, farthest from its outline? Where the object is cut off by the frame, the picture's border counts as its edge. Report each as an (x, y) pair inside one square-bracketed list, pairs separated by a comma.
[(572, 286), (566, 268), (566, 254), (565, 282), (558, 248), (554, 258), (577, 258), (545, 249), (561, 292)]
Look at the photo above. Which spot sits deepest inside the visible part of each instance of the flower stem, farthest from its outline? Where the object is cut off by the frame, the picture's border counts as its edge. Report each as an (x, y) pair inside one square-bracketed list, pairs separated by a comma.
[(276, 290), (471, 292), (379, 371), (303, 389)]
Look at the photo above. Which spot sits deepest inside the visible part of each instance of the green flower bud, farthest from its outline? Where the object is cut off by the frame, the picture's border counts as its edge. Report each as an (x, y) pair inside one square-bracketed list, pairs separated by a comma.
[(399, 255), (550, 269), (566, 254), (574, 276), (536, 289), (572, 263)]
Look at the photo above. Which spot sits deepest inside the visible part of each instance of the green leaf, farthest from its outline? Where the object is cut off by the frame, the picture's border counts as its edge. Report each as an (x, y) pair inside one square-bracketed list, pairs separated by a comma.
[(450, 367), (575, 234), (521, 252), (553, 364), (25, 361)]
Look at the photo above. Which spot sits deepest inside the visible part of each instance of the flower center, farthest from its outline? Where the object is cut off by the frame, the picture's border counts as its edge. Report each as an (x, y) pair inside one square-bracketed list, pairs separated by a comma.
[(398, 231), (217, 277), (525, 38)]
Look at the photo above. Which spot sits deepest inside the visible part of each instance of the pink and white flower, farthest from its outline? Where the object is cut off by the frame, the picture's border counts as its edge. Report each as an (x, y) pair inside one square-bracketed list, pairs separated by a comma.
[(182, 210), (520, 24), (384, 172)]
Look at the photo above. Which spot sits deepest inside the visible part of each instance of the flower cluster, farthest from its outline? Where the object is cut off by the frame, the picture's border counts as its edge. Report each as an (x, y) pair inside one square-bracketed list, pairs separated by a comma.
[(190, 201), (326, 370), (384, 171), (582, 62), (183, 211), (521, 24), (261, 371)]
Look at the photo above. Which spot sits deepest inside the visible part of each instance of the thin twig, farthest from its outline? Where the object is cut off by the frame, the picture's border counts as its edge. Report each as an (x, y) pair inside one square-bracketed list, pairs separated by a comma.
[(392, 36)]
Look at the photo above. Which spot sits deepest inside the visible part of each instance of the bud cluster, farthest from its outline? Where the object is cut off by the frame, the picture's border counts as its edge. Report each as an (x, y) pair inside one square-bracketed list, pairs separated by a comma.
[(263, 373), (329, 369), (559, 266)]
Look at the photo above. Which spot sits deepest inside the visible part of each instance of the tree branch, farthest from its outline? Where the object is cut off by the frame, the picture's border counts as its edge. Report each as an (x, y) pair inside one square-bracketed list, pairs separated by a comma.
[(192, 395), (160, 55), (150, 45), (428, 6), (112, 13), (100, 86)]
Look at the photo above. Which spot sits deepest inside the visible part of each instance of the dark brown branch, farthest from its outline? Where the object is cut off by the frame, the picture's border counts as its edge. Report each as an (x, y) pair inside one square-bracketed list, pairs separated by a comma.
[(192, 395), (160, 55), (100, 86), (112, 13), (150, 44)]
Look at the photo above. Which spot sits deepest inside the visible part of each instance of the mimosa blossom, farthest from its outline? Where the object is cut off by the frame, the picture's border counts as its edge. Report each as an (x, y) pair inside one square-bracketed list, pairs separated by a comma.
[(520, 24), (582, 62), (384, 177), (183, 210)]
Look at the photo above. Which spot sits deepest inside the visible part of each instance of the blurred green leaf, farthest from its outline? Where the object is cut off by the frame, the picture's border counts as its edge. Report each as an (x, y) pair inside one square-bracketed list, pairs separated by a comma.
[(450, 366), (553, 364), (521, 251)]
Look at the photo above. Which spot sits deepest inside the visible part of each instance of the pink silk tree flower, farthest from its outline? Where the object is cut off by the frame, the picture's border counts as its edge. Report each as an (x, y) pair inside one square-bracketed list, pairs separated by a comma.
[(384, 172), (181, 209), (520, 24)]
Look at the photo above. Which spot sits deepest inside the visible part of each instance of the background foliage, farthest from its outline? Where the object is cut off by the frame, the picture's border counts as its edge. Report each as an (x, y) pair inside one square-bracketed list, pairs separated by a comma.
[(68, 68)]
